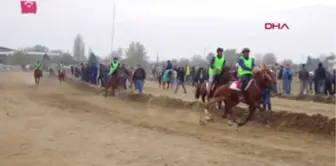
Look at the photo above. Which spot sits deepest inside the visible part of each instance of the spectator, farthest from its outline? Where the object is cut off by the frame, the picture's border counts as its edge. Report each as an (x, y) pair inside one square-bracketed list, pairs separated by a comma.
[(311, 81), (201, 76), (187, 73), (193, 75), (93, 74), (180, 80), (304, 80), (139, 76), (333, 81), (287, 80), (102, 75), (328, 84), (173, 81), (82, 72), (72, 70), (320, 78), (267, 99), (124, 74), (169, 65), (279, 75)]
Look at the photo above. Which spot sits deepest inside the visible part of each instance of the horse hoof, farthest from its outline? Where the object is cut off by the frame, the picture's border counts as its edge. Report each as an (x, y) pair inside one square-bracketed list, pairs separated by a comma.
[(208, 118), (202, 123), (231, 123)]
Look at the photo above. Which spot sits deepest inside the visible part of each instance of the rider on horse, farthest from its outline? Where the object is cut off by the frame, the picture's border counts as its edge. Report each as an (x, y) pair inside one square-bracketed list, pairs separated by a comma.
[(246, 64), (216, 68), (61, 66), (114, 66), (38, 65)]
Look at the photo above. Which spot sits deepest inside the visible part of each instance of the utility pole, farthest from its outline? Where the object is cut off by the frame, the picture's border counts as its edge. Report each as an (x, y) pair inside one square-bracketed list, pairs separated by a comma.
[(112, 37)]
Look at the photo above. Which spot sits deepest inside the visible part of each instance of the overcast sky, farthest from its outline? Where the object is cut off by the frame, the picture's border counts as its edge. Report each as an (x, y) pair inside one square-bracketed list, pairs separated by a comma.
[(175, 28)]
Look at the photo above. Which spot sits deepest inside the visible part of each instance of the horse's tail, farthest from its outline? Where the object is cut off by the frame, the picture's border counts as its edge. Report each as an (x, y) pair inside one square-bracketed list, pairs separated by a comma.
[(198, 92)]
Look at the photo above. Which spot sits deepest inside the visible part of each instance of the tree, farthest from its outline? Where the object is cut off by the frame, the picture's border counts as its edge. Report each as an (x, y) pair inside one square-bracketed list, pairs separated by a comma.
[(67, 59), (136, 54), (209, 56), (197, 60), (93, 59), (258, 58), (287, 61), (231, 56), (18, 58), (183, 62), (79, 49), (269, 59), (36, 48)]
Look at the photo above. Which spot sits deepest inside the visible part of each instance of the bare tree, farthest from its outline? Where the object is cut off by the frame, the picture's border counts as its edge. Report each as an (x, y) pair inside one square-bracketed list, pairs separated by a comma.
[(258, 57), (136, 54), (269, 59)]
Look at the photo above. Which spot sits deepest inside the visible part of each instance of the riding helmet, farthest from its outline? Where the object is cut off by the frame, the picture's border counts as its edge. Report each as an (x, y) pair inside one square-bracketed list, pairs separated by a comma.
[(219, 49), (245, 50)]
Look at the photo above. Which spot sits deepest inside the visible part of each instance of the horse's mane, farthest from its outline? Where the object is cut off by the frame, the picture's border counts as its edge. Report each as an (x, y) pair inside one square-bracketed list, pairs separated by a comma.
[(258, 69)]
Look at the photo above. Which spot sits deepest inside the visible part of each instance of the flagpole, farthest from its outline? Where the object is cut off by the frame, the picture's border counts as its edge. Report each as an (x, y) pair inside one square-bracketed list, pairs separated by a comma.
[(112, 37)]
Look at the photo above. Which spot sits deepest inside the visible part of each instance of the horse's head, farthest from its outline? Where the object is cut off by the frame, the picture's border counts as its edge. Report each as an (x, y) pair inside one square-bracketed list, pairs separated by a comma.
[(265, 76), (226, 75)]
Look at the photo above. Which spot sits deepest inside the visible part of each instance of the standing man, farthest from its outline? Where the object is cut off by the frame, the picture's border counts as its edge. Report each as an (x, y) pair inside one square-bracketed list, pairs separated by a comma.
[(287, 80), (279, 75), (216, 67), (320, 78), (124, 75), (246, 64), (180, 80), (304, 79), (187, 73), (139, 77)]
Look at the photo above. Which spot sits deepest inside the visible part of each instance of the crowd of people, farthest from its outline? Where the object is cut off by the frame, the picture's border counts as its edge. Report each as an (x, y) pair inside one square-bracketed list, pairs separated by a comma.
[(318, 82), (99, 74)]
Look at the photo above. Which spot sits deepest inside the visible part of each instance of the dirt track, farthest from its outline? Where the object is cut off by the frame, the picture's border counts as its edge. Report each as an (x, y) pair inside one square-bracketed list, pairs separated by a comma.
[(58, 125)]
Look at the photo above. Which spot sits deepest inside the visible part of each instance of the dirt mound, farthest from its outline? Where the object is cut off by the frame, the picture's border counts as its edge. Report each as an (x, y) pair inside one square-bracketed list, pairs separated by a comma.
[(315, 98), (279, 120)]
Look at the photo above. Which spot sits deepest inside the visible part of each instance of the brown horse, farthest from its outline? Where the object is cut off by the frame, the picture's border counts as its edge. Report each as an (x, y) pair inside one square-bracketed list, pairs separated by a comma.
[(114, 82), (61, 76), (37, 76), (232, 96), (201, 89)]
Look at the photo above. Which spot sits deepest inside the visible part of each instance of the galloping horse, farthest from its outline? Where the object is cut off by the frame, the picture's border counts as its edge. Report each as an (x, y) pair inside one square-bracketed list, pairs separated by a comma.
[(114, 82), (231, 94), (61, 75), (201, 89), (37, 76)]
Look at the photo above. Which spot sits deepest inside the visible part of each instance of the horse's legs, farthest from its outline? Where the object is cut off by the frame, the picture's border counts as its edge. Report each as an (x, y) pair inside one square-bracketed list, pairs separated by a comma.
[(203, 97), (106, 90)]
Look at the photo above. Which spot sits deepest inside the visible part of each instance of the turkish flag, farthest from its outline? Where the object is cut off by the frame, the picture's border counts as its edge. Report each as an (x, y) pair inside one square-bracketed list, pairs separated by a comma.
[(28, 7)]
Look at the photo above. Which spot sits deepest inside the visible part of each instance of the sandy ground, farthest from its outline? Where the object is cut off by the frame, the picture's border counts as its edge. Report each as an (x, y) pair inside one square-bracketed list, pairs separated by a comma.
[(58, 125), (279, 104)]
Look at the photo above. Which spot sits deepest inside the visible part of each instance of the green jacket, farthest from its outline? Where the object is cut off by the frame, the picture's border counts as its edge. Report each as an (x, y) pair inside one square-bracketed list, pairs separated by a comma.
[(38, 65), (113, 67), (218, 64)]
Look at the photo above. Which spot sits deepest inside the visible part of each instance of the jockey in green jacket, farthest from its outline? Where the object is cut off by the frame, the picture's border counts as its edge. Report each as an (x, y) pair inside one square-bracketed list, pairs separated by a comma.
[(216, 67), (114, 66), (37, 65), (246, 65), (61, 65)]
